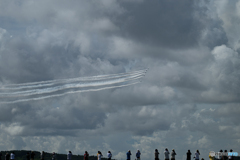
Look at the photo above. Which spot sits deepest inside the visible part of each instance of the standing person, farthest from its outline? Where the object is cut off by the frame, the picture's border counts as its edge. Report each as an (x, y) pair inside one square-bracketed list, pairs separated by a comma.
[(211, 155), (225, 155), (129, 155), (12, 156), (42, 155), (189, 155), (109, 155), (156, 153), (173, 153), (138, 154), (32, 155), (69, 155), (220, 155), (230, 157), (99, 155), (53, 156), (28, 156), (86, 155), (166, 154), (7, 156), (197, 153)]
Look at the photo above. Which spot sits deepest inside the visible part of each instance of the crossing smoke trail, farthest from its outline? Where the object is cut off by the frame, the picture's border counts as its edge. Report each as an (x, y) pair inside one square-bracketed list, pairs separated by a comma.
[(15, 93)]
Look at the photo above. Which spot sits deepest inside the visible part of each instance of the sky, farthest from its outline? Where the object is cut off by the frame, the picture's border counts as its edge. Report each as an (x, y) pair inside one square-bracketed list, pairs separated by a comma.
[(188, 99)]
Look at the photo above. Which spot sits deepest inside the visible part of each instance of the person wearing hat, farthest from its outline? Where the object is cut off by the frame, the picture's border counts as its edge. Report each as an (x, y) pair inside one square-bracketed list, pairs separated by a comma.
[(138, 154), (129, 155), (156, 154), (173, 153), (211, 155)]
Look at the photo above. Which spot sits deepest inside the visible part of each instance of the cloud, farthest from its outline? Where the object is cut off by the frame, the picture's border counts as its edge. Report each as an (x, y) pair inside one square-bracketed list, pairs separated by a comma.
[(189, 96)]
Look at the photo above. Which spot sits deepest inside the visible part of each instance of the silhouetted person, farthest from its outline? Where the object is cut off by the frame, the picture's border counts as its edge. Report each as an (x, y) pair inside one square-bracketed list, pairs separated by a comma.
[(156, 153), (0, 155), (166, 154), (129, 155), (109, 155), (86, 155), (7, 156), (32, 155), (69, 155), (189, 155), (28, 156), (42, 155), (173, 153)]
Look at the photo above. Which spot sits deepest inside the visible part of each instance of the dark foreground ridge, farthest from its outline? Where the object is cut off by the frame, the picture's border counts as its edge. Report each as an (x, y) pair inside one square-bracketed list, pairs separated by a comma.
[(21, 155)]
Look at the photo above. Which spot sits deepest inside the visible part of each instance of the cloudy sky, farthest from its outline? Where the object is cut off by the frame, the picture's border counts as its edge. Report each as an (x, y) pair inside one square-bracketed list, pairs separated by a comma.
[(189, 98)]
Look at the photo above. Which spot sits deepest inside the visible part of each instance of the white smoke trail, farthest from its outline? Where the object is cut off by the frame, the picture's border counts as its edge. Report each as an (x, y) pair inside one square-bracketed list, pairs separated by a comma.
[(80, 80), (68, 86), (46, 89), (57, 95), (52, 82)]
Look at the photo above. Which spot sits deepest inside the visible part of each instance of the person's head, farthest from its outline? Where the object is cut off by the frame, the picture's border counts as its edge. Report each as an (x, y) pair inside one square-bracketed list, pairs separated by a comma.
[(225, 150), (99, 152), (86, 152), (70, 152), (109, 152), (166, 149), (221, 151), (138, 150), (156, 150), (202, 159), (129, 151), (189, 150), (197, 151), (231, 150), (42, 151)]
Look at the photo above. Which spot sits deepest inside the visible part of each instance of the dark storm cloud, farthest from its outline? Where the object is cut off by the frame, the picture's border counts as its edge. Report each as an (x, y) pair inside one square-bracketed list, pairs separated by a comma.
[(190, 50)]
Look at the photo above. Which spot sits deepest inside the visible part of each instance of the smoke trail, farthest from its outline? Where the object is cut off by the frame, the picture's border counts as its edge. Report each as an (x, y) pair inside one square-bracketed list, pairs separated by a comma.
[(55, 82), (73, 79), (68, 86), (58, 95), (46, 89)]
